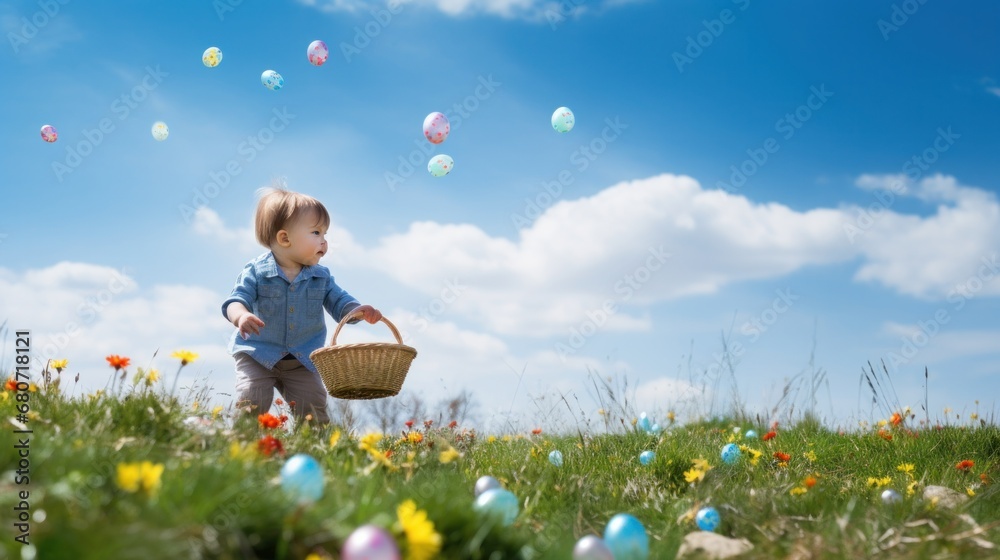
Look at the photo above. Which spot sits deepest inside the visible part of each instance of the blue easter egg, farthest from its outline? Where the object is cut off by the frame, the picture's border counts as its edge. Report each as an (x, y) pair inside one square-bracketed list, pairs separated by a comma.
[(592, 547), (646, 457), (486, 483), (644, 422), (498, 503), (730, 453), (708, 519), (563, 119), (627, 538), (302, 478), (272, 80), (556, 458), (656, 429), (751, 434)]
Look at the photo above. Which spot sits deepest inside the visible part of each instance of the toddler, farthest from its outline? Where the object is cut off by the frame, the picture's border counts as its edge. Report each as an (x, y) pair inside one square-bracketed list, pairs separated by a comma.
[(277, 307)]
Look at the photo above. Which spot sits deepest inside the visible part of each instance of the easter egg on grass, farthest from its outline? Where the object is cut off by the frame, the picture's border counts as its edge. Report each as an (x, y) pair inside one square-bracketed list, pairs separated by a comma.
[(302, 478), (625, 536), (369, 542)]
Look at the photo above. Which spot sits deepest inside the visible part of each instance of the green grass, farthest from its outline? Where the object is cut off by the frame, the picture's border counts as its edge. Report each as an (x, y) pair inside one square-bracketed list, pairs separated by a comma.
[(212, 505)]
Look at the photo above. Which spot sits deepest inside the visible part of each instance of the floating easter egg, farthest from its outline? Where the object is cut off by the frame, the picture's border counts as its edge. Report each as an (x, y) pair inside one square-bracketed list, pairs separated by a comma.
[(751, 434), (625, 536), (302, 478), (317, 53), (369, 542), (563, 120), (556, 458), (436, 127), (486, 483), (211, 57), (730, 453), (49, 133), (272, 80), (708, 519), (644, 422), (646, 457), (160, 131), (655, 429), (498, 503), (592, 547), (441, 165), (891, 497)]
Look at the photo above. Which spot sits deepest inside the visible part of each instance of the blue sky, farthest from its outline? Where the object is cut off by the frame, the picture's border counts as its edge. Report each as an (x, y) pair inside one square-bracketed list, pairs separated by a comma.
[(865, 214)]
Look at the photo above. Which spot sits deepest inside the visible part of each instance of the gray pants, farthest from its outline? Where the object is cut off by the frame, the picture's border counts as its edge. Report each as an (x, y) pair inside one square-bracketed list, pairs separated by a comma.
[(255, 385)]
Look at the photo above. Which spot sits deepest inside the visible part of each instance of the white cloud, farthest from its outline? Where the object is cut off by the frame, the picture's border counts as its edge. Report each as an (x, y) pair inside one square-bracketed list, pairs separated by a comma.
[(533, 10), (951, 252), (653, 240), (994, 90)]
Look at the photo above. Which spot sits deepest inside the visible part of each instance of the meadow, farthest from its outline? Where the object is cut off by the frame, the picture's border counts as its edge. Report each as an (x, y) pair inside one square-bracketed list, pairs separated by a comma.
[(134, 471)]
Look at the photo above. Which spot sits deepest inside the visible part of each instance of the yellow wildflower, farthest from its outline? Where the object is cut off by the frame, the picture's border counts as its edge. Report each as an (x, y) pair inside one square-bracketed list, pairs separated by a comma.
[(135, 476), (59, 365), (422, 541), (507, 437), (334, 438), (449, 455), (491, 439), (185, 356), (798, 490), (152, 376), (700, 464), (907, 469), (694, 475), (879, 482), (911, 488), (217, 411), (970, 491), (368, 441), (810, 455)]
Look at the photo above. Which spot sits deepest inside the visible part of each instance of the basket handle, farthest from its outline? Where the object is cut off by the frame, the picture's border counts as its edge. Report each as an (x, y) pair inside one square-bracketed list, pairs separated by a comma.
[(349, 316)]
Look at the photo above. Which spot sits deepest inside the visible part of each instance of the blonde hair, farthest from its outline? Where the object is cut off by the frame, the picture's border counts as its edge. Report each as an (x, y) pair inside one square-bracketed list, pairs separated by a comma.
[(278, 207)]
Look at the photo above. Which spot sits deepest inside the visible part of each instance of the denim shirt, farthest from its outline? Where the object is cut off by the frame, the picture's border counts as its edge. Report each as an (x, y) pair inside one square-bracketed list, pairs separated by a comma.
[(292, 311)]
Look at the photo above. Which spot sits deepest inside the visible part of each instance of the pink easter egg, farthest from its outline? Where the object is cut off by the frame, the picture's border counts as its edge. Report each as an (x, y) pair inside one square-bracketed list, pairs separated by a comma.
[(49, 133), (436, 127), (317, 53), (369, 542)]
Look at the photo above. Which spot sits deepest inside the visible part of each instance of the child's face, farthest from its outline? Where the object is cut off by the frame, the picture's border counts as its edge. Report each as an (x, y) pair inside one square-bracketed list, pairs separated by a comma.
[(306, 240)]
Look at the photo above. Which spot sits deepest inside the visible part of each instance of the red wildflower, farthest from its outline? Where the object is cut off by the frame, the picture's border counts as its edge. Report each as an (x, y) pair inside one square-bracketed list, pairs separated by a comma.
[(279, 402), (965, 465), (117, 362), (896, 419), (268, 445), (11, 384), (536, 431), (884, 434), (283, 418), (783, 457), (770, 435), (810, 481), (268, 420), (388, 453), (409, 423), (428, 423), (291, 405), (453, 424), (985, 479)]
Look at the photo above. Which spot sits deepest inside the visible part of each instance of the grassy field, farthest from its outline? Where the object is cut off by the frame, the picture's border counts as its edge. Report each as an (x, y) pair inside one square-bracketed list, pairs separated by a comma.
[(140, 474)]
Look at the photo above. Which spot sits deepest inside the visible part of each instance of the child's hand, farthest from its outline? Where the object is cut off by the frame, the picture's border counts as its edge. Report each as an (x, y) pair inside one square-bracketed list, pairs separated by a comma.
[(370, 314), (249, 324)]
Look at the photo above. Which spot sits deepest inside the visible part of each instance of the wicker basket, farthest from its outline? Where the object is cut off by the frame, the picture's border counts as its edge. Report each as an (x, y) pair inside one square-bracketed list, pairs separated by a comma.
[(368, 370)]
